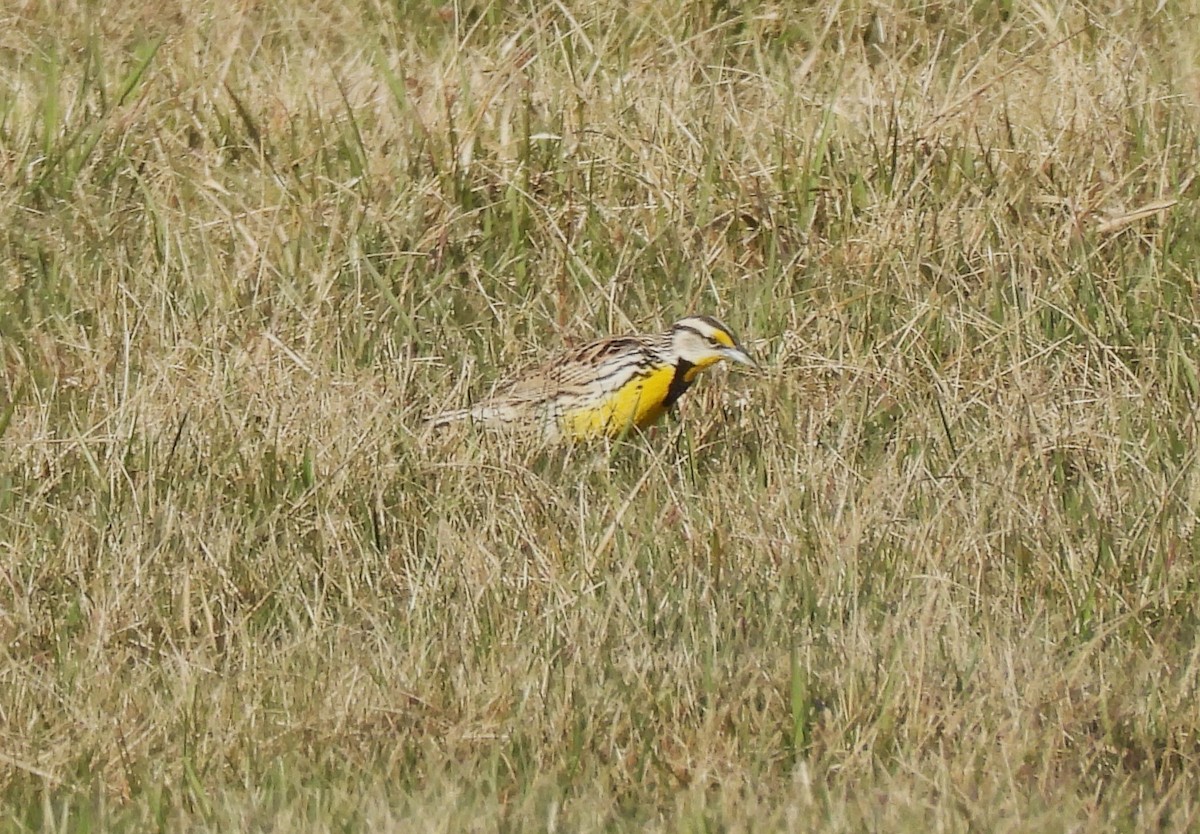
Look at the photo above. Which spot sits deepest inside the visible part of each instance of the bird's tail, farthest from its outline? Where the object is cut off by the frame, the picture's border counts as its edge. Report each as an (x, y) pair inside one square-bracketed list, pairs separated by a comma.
[(490, 415)]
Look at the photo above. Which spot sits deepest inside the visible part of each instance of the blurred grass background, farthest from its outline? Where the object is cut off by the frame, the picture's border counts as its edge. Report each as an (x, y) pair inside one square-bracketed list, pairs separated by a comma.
[(933, 569)]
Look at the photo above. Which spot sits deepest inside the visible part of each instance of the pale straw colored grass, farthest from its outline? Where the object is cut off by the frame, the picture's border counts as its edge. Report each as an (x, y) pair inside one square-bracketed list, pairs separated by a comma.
[(933, 568)]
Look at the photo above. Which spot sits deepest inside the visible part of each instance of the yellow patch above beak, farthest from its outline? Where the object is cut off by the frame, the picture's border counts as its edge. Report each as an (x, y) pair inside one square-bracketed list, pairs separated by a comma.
[(723, 338)]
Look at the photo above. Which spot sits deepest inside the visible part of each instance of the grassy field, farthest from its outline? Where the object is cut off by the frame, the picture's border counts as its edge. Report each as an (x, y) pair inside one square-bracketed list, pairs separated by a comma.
[(935, 567)]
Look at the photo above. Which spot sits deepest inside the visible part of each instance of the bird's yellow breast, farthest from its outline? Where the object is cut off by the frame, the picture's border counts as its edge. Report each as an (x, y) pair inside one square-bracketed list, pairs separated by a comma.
[(639, 402)]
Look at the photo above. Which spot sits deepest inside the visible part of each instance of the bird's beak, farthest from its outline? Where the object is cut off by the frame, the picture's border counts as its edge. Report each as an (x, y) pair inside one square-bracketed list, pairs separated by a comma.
[(736, 354)]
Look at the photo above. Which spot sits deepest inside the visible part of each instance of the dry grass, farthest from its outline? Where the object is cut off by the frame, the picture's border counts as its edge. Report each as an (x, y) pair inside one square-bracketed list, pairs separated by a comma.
[(933, 569)]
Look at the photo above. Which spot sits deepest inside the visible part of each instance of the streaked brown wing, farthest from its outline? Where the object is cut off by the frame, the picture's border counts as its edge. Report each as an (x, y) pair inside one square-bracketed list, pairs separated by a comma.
[(579, 367)]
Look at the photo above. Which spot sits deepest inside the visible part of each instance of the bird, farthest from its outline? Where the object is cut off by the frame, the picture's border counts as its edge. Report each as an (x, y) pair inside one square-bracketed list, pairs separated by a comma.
[(607, 387)]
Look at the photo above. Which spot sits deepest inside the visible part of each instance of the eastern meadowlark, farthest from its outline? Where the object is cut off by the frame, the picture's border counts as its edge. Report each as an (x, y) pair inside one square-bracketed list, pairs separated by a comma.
[(608, 386)]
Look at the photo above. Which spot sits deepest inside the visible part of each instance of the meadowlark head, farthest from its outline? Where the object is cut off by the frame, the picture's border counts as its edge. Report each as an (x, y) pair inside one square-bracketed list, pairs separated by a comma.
[(702, 341)]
